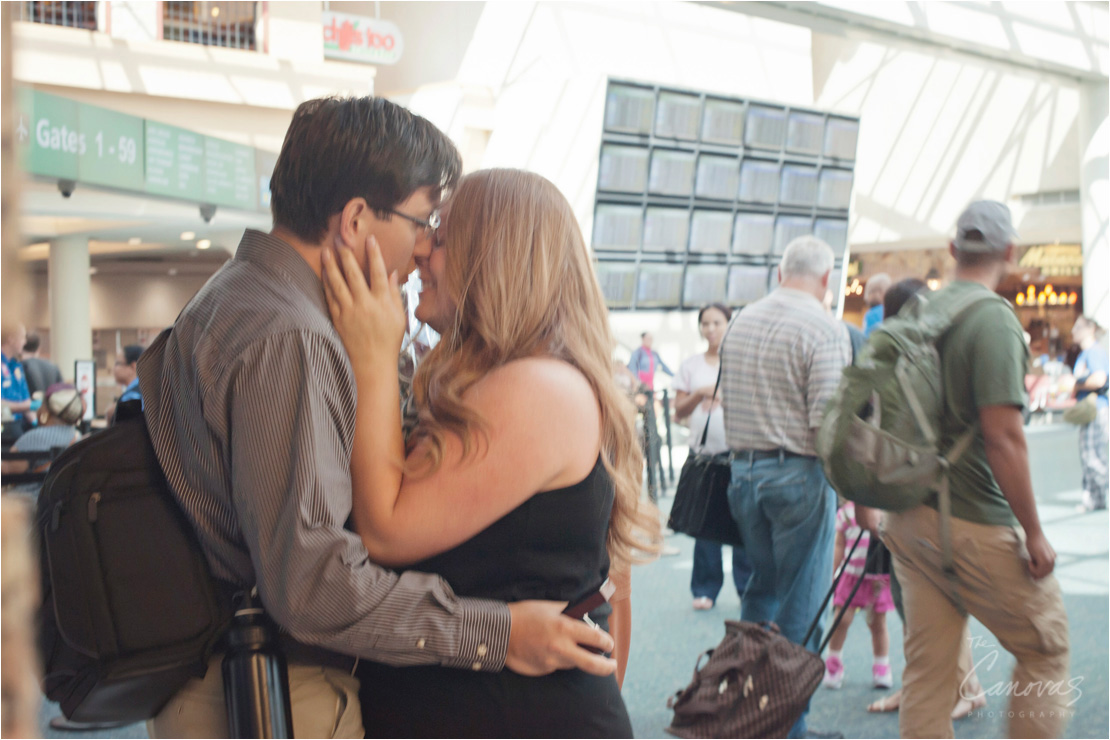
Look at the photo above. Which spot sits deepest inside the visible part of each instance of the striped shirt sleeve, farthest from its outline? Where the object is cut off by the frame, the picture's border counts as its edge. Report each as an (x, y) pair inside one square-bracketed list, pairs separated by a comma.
[(291, 421)]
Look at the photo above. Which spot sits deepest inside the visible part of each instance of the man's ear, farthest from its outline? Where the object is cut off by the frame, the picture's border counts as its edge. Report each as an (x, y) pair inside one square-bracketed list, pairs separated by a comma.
[(952, 250), (1008, 254), (353, 222), (825, 280)]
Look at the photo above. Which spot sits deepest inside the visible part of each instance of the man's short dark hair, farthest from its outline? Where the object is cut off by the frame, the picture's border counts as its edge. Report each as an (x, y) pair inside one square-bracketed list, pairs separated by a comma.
[(978, 259), (132, 353), (33, 342), (337, 149)]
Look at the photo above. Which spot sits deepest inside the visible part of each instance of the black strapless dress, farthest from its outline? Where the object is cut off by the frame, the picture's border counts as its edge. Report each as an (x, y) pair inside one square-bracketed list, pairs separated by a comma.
[(550, 547)]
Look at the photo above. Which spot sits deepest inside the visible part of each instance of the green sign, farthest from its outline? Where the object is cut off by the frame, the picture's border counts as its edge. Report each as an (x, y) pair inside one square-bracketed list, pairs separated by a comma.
[(62, 138), (174, 161), (229, 174), (48, 128), (111, 153)]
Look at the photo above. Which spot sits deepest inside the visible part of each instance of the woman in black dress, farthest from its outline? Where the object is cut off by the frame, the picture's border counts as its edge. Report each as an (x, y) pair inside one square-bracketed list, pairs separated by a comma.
[(522, 478)]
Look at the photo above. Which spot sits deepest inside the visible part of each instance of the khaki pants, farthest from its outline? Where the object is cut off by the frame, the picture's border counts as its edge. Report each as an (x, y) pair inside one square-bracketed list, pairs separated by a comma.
[(1026, 616), (324, 701)]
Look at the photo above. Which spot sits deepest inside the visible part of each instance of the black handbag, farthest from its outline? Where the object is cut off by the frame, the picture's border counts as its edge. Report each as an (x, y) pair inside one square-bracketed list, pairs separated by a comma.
[(700, 506)]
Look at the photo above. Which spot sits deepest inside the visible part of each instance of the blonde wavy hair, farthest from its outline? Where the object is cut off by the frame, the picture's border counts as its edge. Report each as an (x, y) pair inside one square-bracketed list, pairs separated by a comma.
[(524, 286)]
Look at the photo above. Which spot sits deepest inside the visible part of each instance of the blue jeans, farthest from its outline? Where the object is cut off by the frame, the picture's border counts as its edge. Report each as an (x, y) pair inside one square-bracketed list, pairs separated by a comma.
[(786, 513), (709, 574)]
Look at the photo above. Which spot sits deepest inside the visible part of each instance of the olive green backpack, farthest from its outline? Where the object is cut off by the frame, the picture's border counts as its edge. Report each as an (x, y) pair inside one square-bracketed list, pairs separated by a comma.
[(879, 440)]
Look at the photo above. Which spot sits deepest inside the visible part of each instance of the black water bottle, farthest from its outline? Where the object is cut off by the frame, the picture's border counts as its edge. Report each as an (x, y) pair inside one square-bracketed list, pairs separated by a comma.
[(256, 681)]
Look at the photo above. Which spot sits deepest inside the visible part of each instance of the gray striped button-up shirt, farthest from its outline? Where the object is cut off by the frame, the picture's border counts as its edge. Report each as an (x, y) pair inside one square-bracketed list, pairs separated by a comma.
[(250, 400), (781, 360)]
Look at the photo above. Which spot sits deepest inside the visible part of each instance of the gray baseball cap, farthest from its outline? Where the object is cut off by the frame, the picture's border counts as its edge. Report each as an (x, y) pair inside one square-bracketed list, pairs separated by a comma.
[(992, 220)]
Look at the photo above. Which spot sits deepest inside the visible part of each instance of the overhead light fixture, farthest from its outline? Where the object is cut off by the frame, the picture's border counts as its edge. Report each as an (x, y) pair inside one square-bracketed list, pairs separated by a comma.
[(92, 270), (188, 236), (134, 241), (204, 244), (173, 271), (216, 12)]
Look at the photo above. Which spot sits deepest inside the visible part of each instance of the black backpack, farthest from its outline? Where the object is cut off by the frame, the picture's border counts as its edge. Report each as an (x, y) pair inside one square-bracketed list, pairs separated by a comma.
[(130, 609)]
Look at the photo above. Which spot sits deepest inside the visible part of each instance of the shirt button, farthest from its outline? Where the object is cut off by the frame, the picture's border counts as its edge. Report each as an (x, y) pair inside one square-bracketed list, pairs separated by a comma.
[(482, 650), (420, 644), (477, 666)]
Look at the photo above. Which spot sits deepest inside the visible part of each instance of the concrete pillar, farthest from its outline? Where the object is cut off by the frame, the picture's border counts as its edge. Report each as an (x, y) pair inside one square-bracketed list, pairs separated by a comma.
[(70, 325), (1094, 198)]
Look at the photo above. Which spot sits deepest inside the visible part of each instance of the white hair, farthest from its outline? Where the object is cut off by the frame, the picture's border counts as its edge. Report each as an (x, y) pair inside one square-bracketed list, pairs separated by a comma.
[(877, 286), (806, 256)]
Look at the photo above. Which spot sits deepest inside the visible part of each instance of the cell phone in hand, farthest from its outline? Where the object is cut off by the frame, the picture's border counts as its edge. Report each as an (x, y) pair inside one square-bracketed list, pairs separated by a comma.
[(581, 608)]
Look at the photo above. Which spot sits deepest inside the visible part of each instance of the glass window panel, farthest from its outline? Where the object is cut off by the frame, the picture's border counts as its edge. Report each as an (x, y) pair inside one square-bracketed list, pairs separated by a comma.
[(746, 284), (723, 122), (658, 286), (672, 173), (623, 168), (840, 138), (833, 232), (618, 227), (718, 177), (704, 284), (836, 189), (753, 235), (665, 229), (835, 278), (788, 228), (766, 127), (677, 116), (618, 283), (799, 185), (710, 232), (804, 132), (759, 181), (629, 109)]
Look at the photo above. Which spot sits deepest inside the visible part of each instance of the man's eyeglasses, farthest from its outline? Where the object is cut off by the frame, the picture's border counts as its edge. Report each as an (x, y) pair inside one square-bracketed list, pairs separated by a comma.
[(428, 226)]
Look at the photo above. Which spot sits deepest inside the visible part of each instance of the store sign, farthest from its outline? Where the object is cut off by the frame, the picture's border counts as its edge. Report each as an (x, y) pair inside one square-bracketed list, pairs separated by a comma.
[(356, 38), (1054, 259), (59, 137)]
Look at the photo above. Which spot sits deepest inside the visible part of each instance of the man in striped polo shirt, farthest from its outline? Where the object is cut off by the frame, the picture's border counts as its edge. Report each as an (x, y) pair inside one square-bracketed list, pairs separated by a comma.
[(781, 360), (250, 402)]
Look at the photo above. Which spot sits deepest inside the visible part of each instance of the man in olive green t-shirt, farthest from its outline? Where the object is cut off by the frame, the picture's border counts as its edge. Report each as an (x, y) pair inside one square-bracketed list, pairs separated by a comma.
[(1003, 562)]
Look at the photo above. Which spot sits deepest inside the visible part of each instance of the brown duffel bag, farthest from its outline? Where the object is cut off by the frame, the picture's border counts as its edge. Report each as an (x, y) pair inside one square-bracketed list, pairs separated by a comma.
[(756, 683)]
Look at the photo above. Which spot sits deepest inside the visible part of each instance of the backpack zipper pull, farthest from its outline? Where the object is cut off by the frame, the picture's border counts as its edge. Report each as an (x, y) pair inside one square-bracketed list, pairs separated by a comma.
[(56, 516), (93, 501)]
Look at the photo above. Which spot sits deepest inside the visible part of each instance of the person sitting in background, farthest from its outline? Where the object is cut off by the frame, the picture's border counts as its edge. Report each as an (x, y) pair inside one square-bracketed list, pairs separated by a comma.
[(41, 374), (874, 293), (13, 387), (694, 404), (61, 409)]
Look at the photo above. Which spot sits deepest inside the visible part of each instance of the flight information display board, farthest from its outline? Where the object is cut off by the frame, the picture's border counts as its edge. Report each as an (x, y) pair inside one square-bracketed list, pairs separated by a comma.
[(63, 138), (698, 194)]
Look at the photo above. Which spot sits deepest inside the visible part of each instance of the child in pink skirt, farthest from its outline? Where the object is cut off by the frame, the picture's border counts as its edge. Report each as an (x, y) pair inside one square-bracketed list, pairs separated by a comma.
[(873, 595)]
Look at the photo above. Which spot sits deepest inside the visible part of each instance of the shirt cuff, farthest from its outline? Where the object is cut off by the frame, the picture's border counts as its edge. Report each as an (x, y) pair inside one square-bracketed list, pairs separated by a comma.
[(484, 635)]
